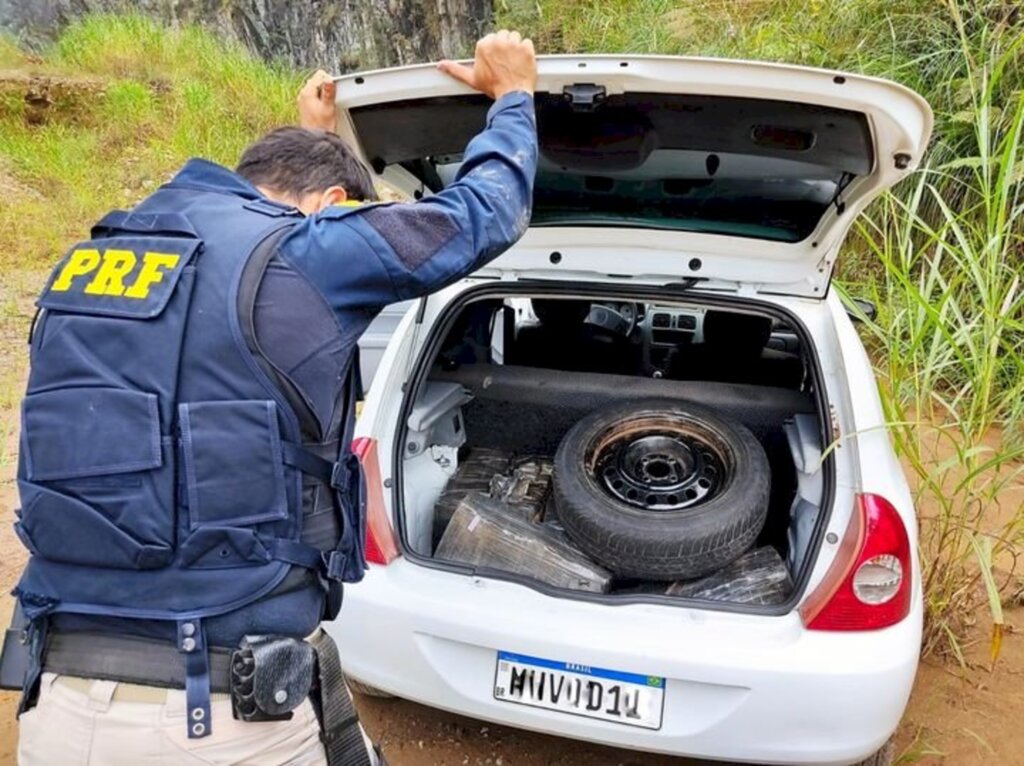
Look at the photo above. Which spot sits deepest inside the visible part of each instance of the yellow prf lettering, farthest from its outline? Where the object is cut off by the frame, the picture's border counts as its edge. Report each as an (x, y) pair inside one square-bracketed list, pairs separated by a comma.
[(109, 280), (154, 265), (80, 262)]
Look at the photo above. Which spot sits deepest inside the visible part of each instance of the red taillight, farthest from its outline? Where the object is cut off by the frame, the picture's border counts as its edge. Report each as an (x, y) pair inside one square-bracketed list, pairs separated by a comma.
[(380, 539), (868, 585)]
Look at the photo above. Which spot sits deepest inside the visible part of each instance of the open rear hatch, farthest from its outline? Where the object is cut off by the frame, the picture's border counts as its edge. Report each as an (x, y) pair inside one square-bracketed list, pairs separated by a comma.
[(741, 172)]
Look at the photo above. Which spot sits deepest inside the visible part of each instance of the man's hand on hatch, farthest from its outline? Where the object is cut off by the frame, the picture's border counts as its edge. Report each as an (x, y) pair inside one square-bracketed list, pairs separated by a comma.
[(504, 63), (317, 110)]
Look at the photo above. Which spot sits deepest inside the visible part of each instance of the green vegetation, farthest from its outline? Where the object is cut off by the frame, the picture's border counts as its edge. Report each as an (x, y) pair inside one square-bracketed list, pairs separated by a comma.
[(950, 346), (120, 102), (942, 255), (98, 122), (117, 105)]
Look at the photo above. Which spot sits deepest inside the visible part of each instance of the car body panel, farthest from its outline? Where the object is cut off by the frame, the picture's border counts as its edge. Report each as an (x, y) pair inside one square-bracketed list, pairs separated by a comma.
[(743, 687), (740, 687)]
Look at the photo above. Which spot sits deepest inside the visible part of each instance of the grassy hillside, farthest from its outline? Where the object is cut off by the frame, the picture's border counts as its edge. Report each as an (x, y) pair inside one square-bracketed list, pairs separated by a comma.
[(112, 110), (119, 103)]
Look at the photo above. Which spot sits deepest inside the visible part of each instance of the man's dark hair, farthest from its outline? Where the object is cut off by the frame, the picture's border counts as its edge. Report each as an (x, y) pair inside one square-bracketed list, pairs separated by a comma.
[(296, 161)]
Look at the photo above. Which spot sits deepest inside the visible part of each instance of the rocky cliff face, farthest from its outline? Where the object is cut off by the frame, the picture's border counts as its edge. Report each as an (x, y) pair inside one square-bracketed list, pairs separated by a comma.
[(338, 35)]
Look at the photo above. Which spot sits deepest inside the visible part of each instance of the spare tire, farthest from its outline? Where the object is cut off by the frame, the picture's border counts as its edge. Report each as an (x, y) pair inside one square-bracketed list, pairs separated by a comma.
[(661, 490)]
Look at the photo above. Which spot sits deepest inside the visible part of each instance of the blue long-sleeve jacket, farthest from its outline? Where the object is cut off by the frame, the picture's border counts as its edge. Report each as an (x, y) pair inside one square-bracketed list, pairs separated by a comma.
[(365, 258), (387, 253)]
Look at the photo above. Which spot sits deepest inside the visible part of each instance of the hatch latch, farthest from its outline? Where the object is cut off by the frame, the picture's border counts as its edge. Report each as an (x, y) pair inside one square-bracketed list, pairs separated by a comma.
[(584, 96)]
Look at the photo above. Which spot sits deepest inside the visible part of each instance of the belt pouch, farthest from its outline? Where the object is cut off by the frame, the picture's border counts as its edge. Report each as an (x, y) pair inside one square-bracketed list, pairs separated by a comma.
[(270, 677)]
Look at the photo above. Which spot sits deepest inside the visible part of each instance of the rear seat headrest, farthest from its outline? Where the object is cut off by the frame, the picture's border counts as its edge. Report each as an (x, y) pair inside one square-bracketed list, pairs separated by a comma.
[(554, 312), (746, 334)]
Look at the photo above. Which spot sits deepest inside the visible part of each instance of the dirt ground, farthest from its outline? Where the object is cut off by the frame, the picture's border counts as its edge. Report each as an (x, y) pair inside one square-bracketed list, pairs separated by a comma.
[(959, 718)]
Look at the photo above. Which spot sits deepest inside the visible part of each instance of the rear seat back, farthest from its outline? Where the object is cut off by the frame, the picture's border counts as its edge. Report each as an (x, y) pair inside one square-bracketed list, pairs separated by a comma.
[(529, 410)]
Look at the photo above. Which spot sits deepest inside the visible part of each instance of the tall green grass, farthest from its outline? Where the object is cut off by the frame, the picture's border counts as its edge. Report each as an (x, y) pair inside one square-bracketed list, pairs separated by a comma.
[(942, 254), (949, 340)]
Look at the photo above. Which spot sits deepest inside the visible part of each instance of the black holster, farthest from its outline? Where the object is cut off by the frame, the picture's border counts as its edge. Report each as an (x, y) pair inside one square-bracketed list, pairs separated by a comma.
[(272, 675), (16, 657)]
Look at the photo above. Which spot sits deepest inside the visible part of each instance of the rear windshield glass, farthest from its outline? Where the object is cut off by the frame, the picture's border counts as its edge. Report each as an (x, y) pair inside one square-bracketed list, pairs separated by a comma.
[(737, 166)]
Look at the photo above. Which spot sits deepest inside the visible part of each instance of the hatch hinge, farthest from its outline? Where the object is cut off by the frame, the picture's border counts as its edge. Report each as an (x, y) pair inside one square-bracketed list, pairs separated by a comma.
[(584, 96)]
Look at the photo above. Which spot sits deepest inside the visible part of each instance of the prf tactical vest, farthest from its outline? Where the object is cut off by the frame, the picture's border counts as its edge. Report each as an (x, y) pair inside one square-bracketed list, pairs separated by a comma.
[(164, 466)]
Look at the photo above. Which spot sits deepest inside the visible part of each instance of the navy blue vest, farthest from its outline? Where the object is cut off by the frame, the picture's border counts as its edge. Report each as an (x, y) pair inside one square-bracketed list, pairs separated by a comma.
[(164, 466)]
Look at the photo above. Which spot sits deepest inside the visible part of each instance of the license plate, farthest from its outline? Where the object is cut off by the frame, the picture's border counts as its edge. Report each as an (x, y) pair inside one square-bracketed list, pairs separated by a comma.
[(568, 687)]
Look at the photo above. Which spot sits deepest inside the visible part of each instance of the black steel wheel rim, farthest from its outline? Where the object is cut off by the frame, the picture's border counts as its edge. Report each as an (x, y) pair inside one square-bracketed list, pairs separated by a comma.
[(660, 463)]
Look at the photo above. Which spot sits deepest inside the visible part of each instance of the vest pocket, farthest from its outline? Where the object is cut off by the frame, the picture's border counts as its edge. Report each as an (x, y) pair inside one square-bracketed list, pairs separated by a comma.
[(98, 485), (353, 507), (73, 432), (232, 459), (61, 528)]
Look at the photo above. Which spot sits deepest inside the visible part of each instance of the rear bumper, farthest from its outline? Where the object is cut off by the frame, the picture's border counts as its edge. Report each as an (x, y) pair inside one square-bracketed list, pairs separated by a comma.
[(740, 687)]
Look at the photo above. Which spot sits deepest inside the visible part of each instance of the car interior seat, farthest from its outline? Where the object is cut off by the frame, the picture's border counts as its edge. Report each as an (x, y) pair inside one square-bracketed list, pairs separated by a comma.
[(563, 340), (469, 339), (734, 350)]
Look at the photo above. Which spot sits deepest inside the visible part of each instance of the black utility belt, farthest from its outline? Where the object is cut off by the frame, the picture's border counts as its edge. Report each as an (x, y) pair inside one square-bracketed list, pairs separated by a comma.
[(128, 659), (266, 676)]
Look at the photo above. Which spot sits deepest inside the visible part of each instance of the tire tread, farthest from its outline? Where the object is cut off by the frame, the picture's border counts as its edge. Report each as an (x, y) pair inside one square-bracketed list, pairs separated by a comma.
[(704, 539)]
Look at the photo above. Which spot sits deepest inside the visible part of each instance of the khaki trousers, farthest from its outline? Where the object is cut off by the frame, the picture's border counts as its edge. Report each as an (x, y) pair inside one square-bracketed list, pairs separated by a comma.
[(78, 722)]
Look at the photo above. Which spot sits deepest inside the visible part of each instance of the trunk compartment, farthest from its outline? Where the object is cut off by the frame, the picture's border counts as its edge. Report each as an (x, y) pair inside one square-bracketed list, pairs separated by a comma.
[(481, 434)]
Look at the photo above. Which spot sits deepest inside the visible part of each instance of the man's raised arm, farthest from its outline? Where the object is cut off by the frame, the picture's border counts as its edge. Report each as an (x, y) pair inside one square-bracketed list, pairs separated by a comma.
[(386, 253)]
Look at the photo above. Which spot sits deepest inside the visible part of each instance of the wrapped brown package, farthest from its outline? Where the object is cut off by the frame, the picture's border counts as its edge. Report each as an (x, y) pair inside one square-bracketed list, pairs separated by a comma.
[(759, 576), (475, 474), (483, 533), (526, 487)]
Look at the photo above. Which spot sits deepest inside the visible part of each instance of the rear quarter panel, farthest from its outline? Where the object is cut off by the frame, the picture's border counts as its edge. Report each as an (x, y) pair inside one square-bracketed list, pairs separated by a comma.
[(866, 436)]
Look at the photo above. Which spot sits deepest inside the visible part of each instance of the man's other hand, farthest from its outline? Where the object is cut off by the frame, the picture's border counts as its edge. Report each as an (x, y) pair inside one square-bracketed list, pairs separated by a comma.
[(317, 110), (504, 62)]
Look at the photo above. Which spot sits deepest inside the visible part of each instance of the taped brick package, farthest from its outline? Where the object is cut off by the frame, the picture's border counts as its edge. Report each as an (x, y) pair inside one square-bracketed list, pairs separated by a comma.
[(483, 533)]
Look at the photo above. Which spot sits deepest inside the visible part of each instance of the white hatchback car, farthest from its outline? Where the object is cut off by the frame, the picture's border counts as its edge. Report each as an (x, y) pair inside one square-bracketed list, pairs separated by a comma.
[(688, 216)]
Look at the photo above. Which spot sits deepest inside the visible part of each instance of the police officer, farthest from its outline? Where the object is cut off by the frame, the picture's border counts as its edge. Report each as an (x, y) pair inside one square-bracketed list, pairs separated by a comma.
[(188, 494)]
